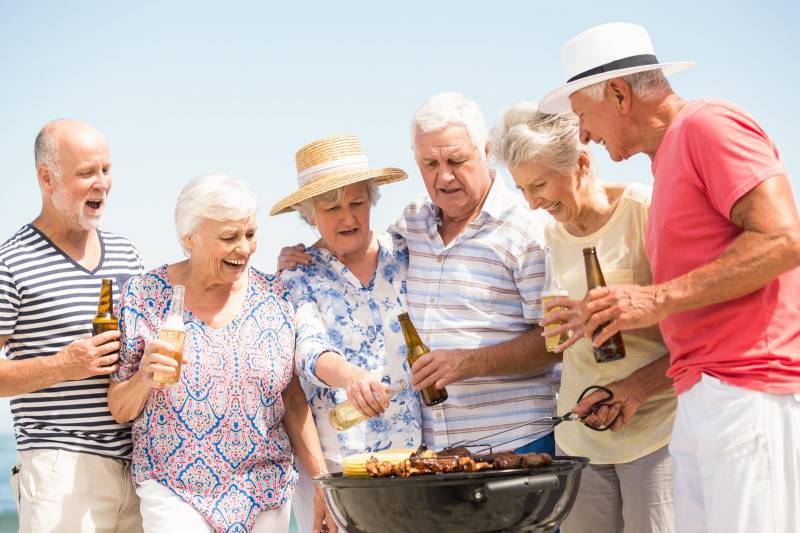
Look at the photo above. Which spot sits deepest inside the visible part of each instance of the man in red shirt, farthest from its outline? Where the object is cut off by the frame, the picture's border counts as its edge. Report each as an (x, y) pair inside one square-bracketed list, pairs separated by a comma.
[(723, 240)]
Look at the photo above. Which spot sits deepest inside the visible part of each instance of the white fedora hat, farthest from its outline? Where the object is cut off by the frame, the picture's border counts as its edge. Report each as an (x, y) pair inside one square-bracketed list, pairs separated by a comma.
[(602, 53)]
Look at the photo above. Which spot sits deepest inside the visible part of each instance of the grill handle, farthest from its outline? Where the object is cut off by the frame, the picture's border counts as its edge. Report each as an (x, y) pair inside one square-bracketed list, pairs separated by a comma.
[(512, 487)]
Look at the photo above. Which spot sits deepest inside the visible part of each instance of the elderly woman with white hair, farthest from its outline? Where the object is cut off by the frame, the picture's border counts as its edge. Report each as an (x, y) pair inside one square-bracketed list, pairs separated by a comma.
[(348, 290), (214, 452), (628, 485)]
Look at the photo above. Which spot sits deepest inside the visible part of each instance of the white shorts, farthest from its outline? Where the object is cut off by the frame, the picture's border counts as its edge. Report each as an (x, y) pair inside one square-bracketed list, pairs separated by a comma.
[(736, 460), (163, 510)]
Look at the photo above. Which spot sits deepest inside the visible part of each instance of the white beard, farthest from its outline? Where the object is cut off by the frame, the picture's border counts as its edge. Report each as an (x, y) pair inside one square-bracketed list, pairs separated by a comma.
[(71, 208)]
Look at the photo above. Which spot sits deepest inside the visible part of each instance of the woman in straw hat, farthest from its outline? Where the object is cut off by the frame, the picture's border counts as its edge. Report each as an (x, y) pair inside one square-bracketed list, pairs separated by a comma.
[(628, 485), (348, 296)]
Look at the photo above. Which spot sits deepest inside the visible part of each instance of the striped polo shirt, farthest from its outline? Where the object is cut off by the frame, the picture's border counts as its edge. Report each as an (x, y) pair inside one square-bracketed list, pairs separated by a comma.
[(47, 300), (481, 289)]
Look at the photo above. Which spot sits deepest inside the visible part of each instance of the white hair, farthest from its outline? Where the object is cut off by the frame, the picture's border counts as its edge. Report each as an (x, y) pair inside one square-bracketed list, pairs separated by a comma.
[(306, 208), (216, 197), (646, 85), (451, 109), (45, 150), (526, 134)]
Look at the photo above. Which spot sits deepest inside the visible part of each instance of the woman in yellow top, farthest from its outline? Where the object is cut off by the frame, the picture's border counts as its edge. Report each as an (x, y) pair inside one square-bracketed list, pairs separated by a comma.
[(628, 485)]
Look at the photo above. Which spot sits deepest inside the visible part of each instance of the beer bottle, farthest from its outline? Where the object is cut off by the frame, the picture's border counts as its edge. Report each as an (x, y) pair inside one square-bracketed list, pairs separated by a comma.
[(346, 415), (173, 332), (105, 320), (416, 348), (552, 289), (613, 348)]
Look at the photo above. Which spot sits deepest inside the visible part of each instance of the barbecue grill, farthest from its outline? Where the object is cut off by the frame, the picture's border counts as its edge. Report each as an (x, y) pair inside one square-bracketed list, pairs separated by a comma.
[(533, 499)]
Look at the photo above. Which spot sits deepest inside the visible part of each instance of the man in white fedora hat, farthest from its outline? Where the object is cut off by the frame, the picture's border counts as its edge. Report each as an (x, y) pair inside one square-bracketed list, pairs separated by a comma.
[(723, 240)]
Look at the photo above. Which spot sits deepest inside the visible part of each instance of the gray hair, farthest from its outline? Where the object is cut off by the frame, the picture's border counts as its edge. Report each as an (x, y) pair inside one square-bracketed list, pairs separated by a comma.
[(451, 109), (526, 134), (215, 196), (45, 150), (646, 85), (306, 208)]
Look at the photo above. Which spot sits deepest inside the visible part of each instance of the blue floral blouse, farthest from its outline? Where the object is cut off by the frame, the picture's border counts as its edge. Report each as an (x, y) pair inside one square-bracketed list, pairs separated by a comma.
[(336, 311)]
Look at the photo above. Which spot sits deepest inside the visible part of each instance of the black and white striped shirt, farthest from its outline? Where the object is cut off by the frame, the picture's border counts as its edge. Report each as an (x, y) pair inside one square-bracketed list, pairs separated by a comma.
[(47, 300)]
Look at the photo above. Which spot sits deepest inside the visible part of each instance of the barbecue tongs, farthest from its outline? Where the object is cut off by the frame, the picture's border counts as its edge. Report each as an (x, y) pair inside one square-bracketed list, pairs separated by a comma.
[(550, 421)]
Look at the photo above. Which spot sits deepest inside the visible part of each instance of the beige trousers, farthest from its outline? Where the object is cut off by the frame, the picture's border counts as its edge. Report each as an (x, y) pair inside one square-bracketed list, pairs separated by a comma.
[(62, 491), (633, 497)]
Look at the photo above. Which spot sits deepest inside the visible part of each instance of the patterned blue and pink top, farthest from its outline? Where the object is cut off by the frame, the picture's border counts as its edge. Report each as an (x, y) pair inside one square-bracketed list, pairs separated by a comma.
[(216, 438)]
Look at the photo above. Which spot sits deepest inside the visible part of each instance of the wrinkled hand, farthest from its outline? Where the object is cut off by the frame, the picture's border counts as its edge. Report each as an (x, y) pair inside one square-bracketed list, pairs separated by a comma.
[(323, 523), (570, 314), (440, 368), (620, 307), (627, 400), (367, 393), (291, 256), (90, 356), (154, 361)]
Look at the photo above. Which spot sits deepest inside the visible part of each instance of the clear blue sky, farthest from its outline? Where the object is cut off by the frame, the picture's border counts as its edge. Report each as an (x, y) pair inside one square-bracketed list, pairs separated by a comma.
[(186, 88)]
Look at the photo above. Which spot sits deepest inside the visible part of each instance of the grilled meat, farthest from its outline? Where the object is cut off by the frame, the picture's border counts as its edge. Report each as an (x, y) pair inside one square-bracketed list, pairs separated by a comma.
[(534, 460), (424, 461)]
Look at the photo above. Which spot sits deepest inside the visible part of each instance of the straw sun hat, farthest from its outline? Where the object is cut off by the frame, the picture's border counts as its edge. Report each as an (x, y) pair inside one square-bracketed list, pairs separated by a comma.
[(602, 53), (331, 163)]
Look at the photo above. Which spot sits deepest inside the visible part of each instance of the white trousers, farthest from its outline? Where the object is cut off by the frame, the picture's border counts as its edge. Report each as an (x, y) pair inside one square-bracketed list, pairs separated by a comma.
[(163, 511), (303, 501), (63, 491), (736, 458)]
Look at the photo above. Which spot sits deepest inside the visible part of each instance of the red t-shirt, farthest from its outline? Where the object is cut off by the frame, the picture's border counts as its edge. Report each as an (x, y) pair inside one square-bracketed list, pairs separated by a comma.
[(711, 155)]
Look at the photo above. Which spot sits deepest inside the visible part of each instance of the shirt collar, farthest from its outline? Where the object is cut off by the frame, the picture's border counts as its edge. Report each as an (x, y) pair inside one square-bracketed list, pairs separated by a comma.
[(494, 204)]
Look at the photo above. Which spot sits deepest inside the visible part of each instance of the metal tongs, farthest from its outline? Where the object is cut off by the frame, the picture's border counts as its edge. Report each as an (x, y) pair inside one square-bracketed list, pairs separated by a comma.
[(549, 421)]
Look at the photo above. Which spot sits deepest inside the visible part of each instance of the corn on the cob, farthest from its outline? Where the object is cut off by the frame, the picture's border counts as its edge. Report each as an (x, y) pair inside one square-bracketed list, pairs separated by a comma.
[(356, 465)]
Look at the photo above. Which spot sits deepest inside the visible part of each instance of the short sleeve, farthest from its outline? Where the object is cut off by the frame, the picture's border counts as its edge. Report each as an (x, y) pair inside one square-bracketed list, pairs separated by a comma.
[(312, 336), (135, 328), (529, 278), (731, 153), (9, 301)]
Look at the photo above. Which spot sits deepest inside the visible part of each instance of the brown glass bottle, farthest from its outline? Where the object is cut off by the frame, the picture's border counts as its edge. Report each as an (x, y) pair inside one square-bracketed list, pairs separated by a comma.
[(613, 348), (105, 319), (430, 395)]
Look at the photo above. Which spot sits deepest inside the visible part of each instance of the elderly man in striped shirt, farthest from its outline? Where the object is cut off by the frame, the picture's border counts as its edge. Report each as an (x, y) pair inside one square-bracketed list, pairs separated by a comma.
[(474, 282), (74, 473)]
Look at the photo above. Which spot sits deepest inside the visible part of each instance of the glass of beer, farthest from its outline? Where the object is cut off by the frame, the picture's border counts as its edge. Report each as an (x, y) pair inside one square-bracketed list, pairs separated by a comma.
[(553, 342)]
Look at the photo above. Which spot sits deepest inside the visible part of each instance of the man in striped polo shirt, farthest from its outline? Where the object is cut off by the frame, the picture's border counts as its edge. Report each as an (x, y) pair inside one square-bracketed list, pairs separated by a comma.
[(474, 282), (73, 473)]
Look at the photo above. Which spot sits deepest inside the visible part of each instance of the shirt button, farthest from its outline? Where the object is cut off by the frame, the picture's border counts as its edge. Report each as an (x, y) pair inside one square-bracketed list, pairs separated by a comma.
[(439, 259), (431, 300), (438, 415)]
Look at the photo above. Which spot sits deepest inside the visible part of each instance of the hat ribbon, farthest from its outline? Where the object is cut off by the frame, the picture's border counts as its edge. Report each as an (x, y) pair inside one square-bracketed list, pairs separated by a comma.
[(626, 62), (312, 173)]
